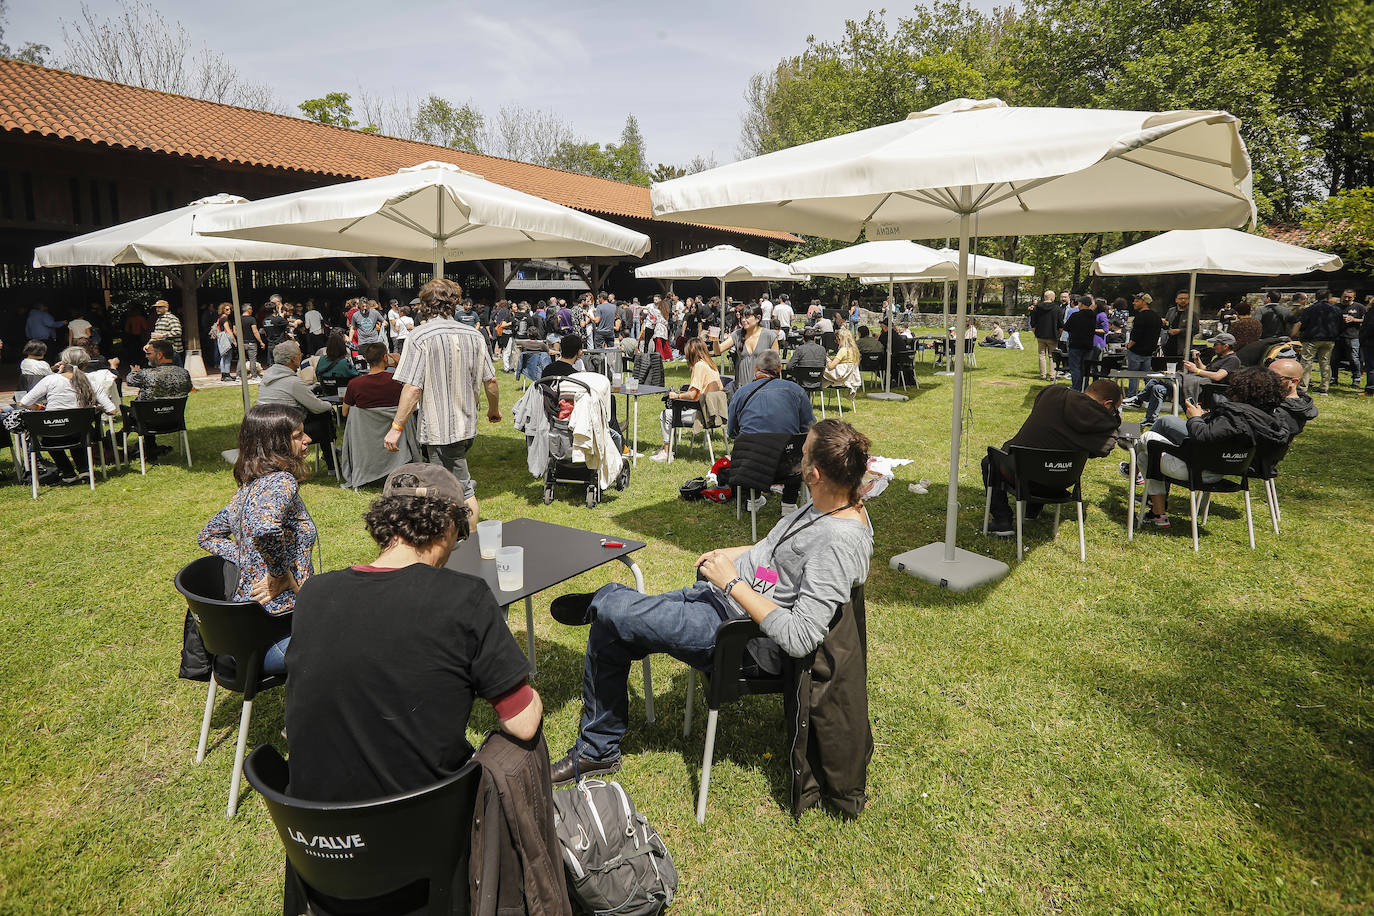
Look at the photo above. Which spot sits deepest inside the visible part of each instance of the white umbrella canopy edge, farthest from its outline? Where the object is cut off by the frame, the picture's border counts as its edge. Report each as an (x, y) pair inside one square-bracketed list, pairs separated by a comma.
[(896, 178), (989, 170), (167, 239), (724, 263), (432, 212), (1225, 252)]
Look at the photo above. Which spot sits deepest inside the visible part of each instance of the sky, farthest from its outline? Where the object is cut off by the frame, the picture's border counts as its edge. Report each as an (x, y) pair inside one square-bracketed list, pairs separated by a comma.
[(680, 68)]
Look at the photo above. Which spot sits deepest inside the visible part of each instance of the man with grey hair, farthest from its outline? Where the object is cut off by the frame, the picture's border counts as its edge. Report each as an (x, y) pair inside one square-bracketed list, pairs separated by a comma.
[(770, 404), (281, 385)]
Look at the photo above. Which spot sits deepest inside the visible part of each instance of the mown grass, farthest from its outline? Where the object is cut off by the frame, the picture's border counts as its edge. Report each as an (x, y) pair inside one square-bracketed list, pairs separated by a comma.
[(1153, 731)]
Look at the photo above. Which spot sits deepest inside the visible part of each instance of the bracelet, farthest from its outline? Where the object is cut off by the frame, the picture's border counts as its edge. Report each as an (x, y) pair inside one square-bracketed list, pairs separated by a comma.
[(399, 427), (731, 587)]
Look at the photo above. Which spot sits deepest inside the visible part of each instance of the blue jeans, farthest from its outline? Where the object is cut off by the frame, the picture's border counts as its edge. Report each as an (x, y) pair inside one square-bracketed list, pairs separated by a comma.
[(1135, 363), (629, 626), (1154, 395), (274, 662), (1076, 357), (531, 364), (226, 360)]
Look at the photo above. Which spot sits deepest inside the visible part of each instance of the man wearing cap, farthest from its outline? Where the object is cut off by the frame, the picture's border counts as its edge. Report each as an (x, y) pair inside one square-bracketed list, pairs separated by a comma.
[(168, 327), (386, 657), (447, 361), (1045, 324), (1146, 326)]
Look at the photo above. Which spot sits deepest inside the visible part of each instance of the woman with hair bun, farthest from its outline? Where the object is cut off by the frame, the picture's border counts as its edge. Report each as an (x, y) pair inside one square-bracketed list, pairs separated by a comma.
[(790, 584), (265, 529)]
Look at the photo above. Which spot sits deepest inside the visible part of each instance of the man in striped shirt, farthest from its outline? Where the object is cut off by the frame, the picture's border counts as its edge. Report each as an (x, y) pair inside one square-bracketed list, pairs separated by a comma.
[(446, 361), (168, 328)]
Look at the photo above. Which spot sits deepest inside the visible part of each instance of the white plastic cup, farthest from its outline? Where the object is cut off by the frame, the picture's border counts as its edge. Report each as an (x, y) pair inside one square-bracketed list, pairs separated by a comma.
[(631, 383), (1172, 367), (489, 538), (510, 568)]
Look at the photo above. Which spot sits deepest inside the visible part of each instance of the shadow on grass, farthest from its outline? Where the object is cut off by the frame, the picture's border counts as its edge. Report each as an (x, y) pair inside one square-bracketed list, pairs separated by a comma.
[(1279, 713)]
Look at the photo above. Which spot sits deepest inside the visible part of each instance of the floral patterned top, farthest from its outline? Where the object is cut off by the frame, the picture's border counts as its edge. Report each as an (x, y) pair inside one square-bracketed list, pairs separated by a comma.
[(264, 529)]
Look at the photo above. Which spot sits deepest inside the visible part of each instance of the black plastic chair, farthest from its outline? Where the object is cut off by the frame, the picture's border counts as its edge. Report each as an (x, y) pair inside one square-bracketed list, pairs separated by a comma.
[(1060, 359), (413, 845), (1222, 460), (874, 363), (1042, 477), (811, 379), (62, 429), (829, 340), (728, 681), (710, 418), (238, 634), (1265, 467), (155, 417), (1207, 395), (753, 479)]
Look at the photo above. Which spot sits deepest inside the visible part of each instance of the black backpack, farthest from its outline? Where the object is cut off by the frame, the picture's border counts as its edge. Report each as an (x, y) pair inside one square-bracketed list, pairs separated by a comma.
[(616, 862)]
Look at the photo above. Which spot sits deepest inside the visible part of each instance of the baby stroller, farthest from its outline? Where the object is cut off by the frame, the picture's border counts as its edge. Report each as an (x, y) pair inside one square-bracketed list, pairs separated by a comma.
[(569, 449)]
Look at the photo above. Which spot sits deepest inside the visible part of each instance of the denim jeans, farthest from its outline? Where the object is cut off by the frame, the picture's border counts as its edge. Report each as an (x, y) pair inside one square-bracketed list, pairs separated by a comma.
[(531, 364), (1348, 351), (274, 662), (1154, 395), (1135, 363), (226, 360), (1076, 357), (629, 626)]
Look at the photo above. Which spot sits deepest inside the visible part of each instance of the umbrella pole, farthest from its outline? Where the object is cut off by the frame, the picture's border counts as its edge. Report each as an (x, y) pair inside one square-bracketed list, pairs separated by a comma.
[(944, 564), (1188, 328), (722, 315), (889, 309), (238, 330), (944, 323)]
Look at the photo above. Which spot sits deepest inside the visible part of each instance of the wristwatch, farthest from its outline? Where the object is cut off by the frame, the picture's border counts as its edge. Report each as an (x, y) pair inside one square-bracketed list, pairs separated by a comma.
[(731, 586)]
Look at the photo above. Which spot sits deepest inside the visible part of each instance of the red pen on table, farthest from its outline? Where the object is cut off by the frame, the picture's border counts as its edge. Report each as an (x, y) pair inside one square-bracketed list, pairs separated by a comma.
[(608, 543)]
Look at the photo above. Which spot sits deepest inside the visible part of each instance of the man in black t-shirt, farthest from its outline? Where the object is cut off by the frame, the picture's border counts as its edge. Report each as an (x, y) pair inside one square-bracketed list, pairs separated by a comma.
[(1348, 343), (1082, 327), (385, 658), (1146, 326)]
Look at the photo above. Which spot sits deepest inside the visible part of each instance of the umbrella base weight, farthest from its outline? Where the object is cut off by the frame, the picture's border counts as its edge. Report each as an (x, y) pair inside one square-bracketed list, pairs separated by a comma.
[(942, 372), (887, 396), (967, 570)]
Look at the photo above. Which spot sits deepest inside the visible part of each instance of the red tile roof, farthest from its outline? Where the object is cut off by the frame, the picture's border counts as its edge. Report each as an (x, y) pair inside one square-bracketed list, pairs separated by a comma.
[(56, 103), (1306, 237)]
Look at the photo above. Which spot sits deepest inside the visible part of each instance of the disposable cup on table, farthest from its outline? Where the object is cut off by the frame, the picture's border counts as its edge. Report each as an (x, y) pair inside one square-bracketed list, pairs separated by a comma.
[(510, 568), (1172, 367), (631, 384), (489, 538)]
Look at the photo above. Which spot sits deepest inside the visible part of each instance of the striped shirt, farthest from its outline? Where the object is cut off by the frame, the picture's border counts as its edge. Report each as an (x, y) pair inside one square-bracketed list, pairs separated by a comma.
[(448, 362), (170, 326)]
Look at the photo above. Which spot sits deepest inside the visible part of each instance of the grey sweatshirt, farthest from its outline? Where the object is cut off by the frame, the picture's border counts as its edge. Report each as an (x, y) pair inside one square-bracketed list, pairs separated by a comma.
[(817, 561), (280, 385)]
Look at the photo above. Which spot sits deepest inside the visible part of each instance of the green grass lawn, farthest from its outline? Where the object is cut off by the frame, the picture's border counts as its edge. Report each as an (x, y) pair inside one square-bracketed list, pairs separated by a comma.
[(1153, 731)]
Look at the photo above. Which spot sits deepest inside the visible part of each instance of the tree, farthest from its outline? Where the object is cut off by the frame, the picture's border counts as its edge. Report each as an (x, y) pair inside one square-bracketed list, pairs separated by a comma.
[(440, 122), (137, 46), (526, 134), (1345, 222), (632, 148), (31, 52), (332, 109), (619, 162), (665, 172)]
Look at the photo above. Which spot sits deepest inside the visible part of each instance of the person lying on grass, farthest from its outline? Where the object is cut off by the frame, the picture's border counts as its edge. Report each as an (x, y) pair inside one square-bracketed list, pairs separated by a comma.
[(790, 583)]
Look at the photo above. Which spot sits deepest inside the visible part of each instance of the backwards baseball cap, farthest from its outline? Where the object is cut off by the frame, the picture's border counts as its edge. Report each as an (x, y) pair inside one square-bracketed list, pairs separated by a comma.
[(423, 479), (1144, 297), (1224, 338)]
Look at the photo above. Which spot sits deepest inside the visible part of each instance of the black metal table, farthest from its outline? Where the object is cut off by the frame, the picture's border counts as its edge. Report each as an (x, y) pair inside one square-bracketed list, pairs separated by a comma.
[(640, 392), (553, 554)]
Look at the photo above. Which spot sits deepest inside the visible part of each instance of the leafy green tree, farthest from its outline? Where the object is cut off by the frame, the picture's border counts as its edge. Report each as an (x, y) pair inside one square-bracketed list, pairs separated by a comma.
[(620, 162), (1345, 223), (333, 109), (441, 122), (666, 172)]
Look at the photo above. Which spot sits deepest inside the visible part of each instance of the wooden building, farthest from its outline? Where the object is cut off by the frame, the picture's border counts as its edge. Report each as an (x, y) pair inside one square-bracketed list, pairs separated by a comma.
[(78, 154)]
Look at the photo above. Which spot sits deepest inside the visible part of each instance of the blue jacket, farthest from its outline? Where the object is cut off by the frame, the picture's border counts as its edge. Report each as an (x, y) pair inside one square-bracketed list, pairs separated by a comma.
[(780, 406)]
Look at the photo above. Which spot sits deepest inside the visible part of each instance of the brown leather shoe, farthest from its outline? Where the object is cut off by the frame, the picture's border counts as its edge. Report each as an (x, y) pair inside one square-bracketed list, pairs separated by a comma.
[(573, 767)]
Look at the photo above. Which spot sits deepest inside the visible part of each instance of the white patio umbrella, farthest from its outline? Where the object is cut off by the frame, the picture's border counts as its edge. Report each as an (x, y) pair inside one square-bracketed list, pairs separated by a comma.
[(982, 167), (723, 263), (432, 212), (876, 261), (1212, 251), (980, 267), (167, 238)]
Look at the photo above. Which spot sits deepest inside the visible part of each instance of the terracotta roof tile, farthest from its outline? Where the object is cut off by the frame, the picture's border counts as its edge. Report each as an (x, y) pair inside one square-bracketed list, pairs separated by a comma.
[(41, 100)]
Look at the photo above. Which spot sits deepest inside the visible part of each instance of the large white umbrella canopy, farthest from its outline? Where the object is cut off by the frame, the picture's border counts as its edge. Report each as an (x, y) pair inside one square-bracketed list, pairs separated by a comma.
[(432, 212), (724, 263), (1016, 171), (886, 260), (165, 239), (1212, 251)]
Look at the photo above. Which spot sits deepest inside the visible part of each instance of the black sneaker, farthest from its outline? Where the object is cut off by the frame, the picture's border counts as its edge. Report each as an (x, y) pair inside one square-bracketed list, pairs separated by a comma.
[(573, 767), (1002, 526), (573, 610)]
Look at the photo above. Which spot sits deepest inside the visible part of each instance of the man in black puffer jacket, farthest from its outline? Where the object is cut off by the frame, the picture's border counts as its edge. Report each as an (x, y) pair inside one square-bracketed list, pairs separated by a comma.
[(1245, 418)]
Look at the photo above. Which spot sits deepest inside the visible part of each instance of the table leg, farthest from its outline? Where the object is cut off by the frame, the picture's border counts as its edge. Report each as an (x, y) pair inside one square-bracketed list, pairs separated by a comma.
[(634, 436), (648, 678), (1178, 383), (1130, 501), (529, 634)]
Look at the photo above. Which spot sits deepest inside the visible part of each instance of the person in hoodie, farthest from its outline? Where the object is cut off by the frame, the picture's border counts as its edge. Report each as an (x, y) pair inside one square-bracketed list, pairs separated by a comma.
[(1046, 323), (1296, 408), (1247, 417), (281, 385), (1060, 418)]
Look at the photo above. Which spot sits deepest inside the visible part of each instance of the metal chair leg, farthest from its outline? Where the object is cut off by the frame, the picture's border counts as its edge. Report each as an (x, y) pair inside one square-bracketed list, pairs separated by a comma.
[(1192, 516), (1082, 544), (529, 633), (1249, 520), (691, 702), (244, 718), (987, 508), (711, 719), (205, 720), (1020, 517), (90, 466), (143, 459), (186, 444), (1205, 508), (1054, 529), (1271, 496)]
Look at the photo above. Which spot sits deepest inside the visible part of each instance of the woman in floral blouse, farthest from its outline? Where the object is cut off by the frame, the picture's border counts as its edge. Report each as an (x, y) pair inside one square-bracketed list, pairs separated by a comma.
[(265, 530)]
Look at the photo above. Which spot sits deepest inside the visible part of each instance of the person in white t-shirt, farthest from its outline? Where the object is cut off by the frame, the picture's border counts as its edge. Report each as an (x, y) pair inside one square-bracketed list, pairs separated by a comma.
[(78, 330), (782, 315), (34, 362), (314, 328), (766, 308)]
